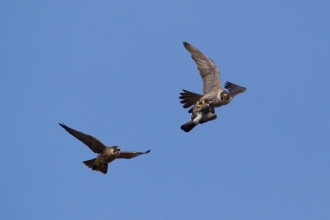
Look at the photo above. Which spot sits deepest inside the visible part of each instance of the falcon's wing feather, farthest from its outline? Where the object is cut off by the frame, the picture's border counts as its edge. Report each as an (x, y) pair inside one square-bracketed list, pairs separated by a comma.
[(189, 98), (93, 143), (129, 155), (207, 69), (234, 89)]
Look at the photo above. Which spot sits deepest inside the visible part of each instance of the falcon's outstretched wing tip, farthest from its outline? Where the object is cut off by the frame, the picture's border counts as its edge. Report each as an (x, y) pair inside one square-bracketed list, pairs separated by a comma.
[(186, 44)]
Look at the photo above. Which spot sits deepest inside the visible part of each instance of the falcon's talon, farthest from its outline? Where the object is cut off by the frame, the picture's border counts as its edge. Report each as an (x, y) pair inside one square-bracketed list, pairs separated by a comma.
[(200, 104)]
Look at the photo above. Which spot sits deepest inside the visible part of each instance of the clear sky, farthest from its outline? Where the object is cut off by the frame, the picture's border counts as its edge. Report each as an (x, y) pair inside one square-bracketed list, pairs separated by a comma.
[(114, 70)]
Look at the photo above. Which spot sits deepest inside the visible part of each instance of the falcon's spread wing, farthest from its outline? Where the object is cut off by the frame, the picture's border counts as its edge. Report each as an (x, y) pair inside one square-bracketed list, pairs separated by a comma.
[(189, 98), (234, 89), (93, 143), (129, 155), (207, 69)]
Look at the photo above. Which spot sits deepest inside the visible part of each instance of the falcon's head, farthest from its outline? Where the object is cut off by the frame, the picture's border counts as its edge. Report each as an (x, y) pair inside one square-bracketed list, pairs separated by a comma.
[(116, 149), (224, 96)]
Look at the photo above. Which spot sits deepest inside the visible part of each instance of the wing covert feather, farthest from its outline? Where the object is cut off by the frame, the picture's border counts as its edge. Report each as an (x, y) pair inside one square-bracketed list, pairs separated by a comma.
[(207, 69)]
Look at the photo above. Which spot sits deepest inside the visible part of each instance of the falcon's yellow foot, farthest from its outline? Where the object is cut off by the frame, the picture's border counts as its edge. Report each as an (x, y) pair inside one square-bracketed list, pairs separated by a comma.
[(200, 104)]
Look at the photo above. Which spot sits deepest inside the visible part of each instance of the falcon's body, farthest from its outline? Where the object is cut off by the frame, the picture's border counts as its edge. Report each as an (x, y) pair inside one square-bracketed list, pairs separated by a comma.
[(106, 154), (100, 163), (213, 93)]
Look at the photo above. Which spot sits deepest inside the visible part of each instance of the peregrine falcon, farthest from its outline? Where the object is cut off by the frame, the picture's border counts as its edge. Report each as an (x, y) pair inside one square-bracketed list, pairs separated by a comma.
[(106, 154), (213, 93)]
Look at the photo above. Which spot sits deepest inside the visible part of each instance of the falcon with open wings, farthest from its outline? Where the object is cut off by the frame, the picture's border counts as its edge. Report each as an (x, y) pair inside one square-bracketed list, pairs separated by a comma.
[(106, 154), (213, 93)]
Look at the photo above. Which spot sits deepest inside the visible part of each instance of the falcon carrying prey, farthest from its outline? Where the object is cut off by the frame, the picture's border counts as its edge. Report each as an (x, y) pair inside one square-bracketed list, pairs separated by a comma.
[(213, 93), (106, 154)]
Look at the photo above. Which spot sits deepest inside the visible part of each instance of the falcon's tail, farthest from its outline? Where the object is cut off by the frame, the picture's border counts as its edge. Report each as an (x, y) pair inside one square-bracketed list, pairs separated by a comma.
[(189, 98), (103, 168), (188, 126)]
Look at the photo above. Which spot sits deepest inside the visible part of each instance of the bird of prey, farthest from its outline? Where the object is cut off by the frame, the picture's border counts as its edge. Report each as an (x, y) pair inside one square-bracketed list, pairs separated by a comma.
[(213, 93), (199, 115), (106, 154)]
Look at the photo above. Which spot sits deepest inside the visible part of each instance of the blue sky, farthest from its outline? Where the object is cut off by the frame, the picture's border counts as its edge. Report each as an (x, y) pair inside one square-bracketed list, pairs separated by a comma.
[(115, 69)]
